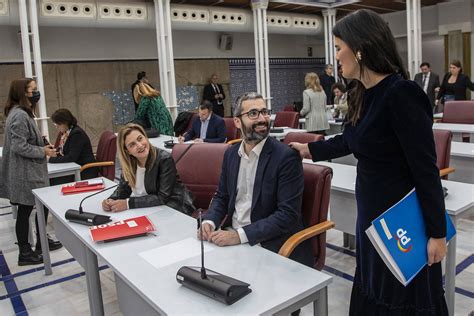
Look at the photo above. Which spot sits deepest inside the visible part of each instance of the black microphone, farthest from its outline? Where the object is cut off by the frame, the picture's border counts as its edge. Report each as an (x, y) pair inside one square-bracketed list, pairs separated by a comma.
[(85, 218), (210, 283)]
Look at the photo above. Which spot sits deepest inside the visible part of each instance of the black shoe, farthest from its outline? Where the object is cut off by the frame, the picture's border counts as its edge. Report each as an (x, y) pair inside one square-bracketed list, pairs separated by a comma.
[(28, 257), (52, 245)]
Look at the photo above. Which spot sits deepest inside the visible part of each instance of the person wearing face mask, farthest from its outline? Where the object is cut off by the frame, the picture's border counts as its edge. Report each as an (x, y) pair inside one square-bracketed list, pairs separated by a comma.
[(24, 162), (149, 176), (261, 187), (388, 128), (74, 145)]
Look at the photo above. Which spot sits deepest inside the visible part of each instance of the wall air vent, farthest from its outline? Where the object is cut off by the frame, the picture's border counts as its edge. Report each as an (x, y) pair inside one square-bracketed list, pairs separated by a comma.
[(51, 8), (122, 11), (278, 20), (307, 23), (229, 17), (189, 15)]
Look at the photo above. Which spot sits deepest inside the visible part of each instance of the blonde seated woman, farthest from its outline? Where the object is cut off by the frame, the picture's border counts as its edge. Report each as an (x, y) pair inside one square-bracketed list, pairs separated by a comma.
[(152, 110), (149, 176)]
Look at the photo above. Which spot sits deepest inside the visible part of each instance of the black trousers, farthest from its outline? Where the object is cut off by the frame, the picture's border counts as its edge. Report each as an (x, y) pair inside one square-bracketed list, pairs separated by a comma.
[(22, 226)]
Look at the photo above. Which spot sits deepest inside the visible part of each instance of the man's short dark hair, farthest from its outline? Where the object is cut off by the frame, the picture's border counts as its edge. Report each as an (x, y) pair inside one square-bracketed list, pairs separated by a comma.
[(339, 86), (328, 66), (206, 105), (425, 64), (141, 75)]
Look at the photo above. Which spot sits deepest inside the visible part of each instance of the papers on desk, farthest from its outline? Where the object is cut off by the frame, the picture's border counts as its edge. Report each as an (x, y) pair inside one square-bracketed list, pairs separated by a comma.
[(175, 252)]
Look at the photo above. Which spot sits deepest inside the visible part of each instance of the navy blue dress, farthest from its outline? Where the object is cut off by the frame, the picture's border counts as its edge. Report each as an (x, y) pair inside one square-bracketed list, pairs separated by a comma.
[(393, 143)]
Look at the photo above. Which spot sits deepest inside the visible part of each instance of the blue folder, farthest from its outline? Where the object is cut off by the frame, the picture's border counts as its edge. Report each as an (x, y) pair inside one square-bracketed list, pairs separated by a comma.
[(399, 237)]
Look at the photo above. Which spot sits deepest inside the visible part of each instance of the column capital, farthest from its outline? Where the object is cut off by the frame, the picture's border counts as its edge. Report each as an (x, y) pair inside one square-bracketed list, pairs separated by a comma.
[(259, 4), (329, 12)]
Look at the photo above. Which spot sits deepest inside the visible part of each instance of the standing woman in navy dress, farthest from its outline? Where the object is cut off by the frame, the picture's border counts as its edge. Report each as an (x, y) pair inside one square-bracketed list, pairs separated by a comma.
[(388, 128)]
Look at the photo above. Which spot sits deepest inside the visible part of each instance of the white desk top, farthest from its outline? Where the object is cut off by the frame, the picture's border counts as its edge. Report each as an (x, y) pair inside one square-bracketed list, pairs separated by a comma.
[(459, 149), (54, 168), (159, 142), (285, 132), (438, 115), (275, 281), (460, 195), (455, 128), (333, 122)]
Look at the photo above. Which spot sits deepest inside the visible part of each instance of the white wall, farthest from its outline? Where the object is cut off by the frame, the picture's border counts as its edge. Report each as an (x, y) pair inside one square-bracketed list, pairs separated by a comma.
[(67, 44)]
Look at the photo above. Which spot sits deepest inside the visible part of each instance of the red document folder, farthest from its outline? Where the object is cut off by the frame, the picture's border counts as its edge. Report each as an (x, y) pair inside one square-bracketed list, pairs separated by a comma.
[(126, 228), (83, 186)]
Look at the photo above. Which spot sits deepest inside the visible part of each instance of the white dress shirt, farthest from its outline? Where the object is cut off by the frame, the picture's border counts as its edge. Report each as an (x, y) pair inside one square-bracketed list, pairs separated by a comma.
[(245, 185), (139, 189), (427, 79)]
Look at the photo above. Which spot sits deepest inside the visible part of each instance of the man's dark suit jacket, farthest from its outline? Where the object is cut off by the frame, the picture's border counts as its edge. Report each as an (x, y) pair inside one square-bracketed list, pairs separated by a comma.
[(327, 82), (276, 200), (215, 130), (209, 94), (432, 84)]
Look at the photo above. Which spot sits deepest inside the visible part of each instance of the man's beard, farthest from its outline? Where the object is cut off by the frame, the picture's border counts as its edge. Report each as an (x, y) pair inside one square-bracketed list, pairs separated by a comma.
[(253, 137)]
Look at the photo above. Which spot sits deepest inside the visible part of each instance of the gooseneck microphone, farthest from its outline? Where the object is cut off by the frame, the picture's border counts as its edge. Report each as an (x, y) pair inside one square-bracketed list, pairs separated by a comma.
[(85, 218), (210, 283)]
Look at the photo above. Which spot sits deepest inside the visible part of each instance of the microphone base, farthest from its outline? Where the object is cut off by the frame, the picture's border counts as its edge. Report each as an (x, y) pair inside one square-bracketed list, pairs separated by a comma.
[(85, 218), (217, 286)]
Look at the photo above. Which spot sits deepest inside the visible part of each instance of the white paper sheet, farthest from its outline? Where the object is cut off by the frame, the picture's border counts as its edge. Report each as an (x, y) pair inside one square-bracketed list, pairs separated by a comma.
[(178, 251)]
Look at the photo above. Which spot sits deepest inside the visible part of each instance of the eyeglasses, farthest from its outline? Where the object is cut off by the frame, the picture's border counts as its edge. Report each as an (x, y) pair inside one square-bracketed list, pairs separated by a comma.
[(253, 114)]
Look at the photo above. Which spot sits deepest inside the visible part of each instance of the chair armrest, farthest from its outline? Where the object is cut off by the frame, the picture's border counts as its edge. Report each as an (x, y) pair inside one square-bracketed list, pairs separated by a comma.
[(230, 142), (301, 236), (97, 164), (446, 171)]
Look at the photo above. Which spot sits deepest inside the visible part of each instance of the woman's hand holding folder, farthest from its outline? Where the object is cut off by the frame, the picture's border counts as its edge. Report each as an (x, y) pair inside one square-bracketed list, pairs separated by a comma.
[(436, 250)]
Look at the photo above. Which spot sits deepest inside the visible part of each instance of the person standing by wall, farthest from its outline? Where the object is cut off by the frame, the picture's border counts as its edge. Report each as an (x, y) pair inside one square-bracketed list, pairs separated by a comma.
[(214, 93)]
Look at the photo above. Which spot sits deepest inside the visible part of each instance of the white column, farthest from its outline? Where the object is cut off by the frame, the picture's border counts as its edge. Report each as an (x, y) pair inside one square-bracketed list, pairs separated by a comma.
[(329, 22), (25, 38), (262, 64), (257, 60), (326, 44), (164, 41), (38, 68), (414, 36)]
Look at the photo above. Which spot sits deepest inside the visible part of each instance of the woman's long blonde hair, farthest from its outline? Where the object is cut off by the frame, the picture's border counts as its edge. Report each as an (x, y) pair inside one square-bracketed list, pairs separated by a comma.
[(143, 89), (311, 81), (128, 162)]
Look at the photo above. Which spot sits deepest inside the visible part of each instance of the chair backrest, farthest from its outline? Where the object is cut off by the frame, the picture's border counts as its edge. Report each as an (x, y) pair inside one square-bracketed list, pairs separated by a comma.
[(106, 151), (200, 169), (442, 140), (190, 123), (289, 108), (232, 132), (289, 119), (303, 138), (317, 188), (459, 112)]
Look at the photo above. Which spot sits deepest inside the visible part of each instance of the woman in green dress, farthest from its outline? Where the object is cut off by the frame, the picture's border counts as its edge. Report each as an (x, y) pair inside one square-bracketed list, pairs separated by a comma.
[(152, 110)]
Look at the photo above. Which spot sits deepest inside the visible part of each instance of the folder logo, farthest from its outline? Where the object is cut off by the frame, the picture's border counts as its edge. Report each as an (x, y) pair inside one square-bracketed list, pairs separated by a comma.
[(403, 240)]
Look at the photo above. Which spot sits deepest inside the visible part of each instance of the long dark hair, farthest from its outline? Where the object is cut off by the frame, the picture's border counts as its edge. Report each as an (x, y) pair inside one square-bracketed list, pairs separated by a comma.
[(64, 116), (17, 96), (366, 32)]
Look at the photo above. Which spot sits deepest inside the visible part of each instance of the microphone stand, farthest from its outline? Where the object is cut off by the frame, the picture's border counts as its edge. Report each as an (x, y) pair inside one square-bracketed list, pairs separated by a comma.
[(86, 218)]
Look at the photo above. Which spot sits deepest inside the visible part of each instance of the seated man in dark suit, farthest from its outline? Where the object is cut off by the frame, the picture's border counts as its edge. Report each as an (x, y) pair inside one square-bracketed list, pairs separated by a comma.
[(261, 187), (207, 127)]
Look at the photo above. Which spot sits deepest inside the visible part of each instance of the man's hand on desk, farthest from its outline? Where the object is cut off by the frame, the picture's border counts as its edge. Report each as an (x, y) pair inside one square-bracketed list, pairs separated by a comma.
[(110, 205), (225, 237), (207, 230)]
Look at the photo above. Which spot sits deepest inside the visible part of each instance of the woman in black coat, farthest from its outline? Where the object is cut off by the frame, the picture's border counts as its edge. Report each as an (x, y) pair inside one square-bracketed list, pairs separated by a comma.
[(74, 145), (454, 84), (149, 176)]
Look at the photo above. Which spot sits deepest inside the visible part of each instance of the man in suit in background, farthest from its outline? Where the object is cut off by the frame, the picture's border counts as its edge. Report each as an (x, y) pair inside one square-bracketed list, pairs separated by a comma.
[(214, 93), (327, 80), (207, 127), (260, 190), (428, 81)]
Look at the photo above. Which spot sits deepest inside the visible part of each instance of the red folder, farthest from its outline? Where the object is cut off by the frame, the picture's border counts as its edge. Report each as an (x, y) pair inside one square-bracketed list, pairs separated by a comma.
[(83, 186), (132, 227)]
